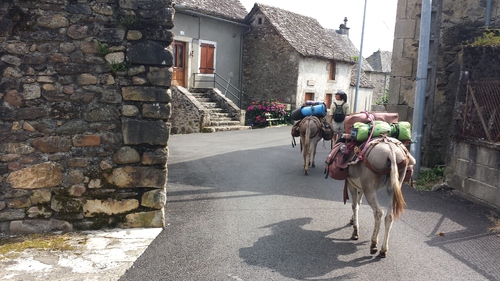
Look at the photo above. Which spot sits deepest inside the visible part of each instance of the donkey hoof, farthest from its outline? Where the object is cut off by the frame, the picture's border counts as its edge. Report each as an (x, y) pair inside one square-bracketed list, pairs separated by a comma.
[(354, 237), (382, 254), (373, 251), (313, 165)]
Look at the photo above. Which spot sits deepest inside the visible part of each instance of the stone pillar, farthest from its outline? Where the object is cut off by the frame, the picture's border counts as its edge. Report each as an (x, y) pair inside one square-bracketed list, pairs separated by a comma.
[(84, 110)]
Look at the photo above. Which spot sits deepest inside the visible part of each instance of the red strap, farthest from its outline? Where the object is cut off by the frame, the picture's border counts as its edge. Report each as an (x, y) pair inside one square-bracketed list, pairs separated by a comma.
[(368, 115)]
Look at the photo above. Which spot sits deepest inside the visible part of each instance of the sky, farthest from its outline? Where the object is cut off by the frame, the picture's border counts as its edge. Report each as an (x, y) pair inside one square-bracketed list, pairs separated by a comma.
[(379, 19)]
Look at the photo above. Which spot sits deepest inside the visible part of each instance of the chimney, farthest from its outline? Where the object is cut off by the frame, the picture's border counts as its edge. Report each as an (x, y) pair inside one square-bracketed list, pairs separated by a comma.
[(343, 29)]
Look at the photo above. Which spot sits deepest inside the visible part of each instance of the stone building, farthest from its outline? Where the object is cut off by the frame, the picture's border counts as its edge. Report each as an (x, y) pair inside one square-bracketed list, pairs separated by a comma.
[(84, 106), (472, 160), (291, 57), (365, 89), (380, 61), (208, 45)]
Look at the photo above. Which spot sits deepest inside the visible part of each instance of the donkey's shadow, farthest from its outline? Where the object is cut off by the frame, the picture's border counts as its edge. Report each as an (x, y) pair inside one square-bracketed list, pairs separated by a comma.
[(298, 253)]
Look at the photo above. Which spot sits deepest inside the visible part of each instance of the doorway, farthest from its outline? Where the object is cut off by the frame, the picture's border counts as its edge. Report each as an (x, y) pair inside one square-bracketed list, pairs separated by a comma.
[(179, 75)]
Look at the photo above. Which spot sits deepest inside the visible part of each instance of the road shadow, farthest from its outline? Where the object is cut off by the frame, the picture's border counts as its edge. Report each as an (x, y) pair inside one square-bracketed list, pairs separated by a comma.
[(297, 253)]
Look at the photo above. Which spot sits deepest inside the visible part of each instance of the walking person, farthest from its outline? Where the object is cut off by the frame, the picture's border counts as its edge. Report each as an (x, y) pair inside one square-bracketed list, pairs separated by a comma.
[(339, 109)]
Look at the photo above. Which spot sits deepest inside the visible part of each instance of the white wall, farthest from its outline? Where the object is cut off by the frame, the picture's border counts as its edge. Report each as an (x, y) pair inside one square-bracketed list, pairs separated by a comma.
[(313, 78), (365, 96)]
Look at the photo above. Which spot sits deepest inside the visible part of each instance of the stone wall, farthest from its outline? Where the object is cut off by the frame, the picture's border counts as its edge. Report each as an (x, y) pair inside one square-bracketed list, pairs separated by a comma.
[(192, 117), (380, 82), (189, 113), (270, 66), (456, 22), (84, 105), (473, 164), (227, 105), (473, 171)]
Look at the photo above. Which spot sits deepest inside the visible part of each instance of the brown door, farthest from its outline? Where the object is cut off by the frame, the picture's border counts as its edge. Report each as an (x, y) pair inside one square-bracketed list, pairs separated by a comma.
[(179, 76), (328, 100)]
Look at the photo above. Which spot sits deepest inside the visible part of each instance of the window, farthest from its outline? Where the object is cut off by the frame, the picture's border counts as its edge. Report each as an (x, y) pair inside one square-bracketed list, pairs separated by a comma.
[(332, 70), (179, 55), (207, 58), (259, 21)]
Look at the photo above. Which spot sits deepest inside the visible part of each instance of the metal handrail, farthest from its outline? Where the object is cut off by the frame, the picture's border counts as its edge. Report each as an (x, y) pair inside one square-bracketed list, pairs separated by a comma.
[(228, 87)]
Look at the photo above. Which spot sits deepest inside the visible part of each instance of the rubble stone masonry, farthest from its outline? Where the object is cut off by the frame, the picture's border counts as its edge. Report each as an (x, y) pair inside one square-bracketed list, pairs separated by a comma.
[(454, 23), (84, 105)]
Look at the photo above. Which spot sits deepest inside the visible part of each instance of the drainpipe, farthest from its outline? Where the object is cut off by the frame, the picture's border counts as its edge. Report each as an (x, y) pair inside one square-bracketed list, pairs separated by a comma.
[(488, 13), (240, 83), (421, 85)]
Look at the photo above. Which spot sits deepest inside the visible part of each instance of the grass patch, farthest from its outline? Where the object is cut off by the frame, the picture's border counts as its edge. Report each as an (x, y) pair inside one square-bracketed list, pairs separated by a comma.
[(488, 38), (117, 67), (103, 48), (427, 178), (10, 247)]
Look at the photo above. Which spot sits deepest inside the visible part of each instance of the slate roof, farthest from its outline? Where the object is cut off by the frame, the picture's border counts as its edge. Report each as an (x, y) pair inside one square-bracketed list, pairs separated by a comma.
[(303, 33), (225, 9), (364, 81), (381, 61), (347, 45)]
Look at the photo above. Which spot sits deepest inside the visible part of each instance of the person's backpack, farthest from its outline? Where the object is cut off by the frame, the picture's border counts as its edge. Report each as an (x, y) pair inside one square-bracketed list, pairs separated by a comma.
[(338, 114)]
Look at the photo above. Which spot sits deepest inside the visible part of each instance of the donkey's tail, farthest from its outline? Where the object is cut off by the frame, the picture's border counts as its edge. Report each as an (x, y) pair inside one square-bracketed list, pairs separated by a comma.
[(398, 202)]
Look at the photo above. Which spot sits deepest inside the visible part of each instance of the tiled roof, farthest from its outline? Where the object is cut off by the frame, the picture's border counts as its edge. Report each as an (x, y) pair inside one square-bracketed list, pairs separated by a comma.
[(347, 45), (364, 81), (225, 9), (303, 33), (381, 61)]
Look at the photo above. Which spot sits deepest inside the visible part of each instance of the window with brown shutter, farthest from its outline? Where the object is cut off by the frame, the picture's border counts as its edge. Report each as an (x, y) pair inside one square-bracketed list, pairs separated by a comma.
[(207, 58), (333, 69)]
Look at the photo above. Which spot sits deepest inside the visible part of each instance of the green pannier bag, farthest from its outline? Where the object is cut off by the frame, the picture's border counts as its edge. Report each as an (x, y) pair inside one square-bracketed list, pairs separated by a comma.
[(401, 130), (361, 131)]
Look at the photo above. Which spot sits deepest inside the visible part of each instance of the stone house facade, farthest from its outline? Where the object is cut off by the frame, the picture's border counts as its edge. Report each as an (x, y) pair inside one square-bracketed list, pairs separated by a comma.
[(208, 45), (292, 58), (84, 106)]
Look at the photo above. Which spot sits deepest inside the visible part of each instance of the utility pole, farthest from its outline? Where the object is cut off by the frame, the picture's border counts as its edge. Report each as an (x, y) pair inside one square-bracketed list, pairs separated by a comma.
[(421, 85), (360, 61)]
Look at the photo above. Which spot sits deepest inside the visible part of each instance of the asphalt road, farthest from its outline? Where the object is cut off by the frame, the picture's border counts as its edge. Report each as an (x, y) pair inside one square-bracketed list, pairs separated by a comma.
[(240, 208)]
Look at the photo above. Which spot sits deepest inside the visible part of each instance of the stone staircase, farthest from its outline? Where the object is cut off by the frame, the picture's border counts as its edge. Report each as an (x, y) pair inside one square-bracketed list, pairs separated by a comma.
[(218, 118)]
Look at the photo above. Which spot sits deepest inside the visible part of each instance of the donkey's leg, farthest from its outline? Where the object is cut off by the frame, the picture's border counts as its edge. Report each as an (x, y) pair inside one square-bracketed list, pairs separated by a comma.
[(378, 213), (356, 195), (388, 225), (314, 143), (303, 149), (305, 153)]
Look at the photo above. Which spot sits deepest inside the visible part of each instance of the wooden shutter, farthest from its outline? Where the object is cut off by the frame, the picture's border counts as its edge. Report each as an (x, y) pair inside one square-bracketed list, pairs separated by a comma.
[(333, 69), (207, 58)]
